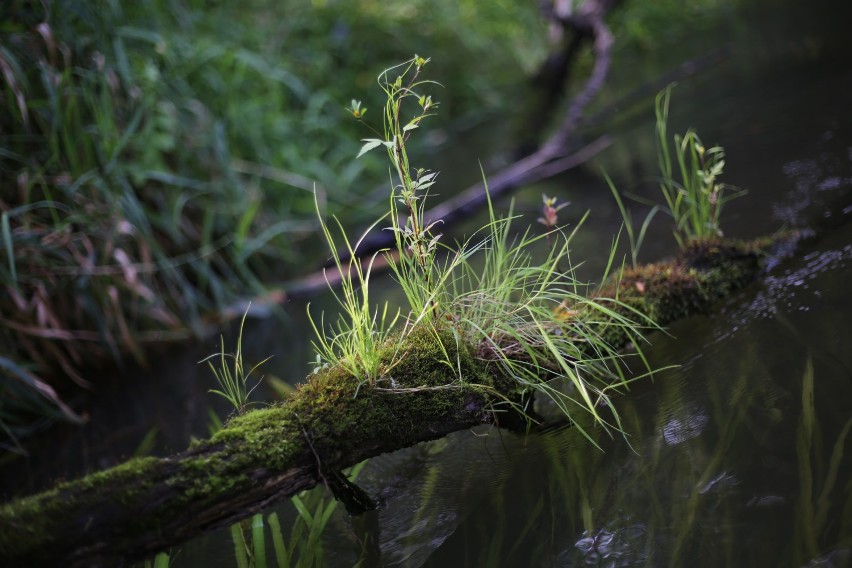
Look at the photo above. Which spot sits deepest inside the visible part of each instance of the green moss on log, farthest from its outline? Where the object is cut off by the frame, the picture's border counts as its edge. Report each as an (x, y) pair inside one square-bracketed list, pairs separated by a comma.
[(705, 273), (329, 423), (431, 386)]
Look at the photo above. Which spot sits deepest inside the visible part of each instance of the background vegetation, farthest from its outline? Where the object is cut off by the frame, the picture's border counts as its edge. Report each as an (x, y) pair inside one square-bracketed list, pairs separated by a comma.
[(159, 159)]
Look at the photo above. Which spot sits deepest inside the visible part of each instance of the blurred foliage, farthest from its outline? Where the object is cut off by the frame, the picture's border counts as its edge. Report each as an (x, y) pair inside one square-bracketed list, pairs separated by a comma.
[(158, 158), (649, 26)]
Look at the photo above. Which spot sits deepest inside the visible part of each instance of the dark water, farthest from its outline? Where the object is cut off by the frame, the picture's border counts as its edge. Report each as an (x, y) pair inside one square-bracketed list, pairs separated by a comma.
[(729, 459)]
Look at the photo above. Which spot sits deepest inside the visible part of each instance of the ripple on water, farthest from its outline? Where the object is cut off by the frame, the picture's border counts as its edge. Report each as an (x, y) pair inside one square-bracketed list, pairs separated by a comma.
[(791, 290)]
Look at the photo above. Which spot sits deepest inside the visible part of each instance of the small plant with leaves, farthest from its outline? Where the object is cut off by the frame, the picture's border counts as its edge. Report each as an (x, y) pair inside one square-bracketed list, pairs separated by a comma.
[(358, 335), (416, 242), (550, 214), (231, 374), (696, 201)]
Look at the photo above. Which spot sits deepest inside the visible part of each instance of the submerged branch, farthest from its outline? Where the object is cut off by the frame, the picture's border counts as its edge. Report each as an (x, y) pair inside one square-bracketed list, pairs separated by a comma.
[(547, 162), (588, 23), (330, 423)]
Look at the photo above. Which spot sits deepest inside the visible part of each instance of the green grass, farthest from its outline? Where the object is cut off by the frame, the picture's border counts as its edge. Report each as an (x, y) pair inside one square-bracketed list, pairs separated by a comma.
[(635, 239), (531, 317), (689, 182), (231, 373), (693, 193), (361, 329), (542, 325), (160, 561), (818, 481), (304, 547)]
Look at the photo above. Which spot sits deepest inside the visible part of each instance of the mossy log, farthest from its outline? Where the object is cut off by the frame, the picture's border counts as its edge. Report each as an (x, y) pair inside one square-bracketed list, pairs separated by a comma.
[(330, 423)]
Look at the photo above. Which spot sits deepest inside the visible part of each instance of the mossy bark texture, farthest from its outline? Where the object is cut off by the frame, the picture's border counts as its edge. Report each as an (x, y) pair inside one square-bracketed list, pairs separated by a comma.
[(331, 422)]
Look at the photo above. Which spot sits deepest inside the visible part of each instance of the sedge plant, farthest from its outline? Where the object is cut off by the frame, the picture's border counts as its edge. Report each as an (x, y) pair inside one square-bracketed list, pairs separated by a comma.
[(695, 201), (231, 372), (540, 325)]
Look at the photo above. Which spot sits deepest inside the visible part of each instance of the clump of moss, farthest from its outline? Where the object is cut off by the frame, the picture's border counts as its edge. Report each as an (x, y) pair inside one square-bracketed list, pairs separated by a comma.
[(704, 273), (428, 379)]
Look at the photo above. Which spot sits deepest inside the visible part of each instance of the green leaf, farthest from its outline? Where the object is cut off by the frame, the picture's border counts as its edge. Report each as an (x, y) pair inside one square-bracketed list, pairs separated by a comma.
[(161, 560), (258, 541), (370, 143), (281, 554), (9, 246), (240, 554)]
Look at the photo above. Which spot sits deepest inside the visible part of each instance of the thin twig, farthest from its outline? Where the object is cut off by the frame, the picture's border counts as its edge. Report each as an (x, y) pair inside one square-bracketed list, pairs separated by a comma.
[(313, 450)]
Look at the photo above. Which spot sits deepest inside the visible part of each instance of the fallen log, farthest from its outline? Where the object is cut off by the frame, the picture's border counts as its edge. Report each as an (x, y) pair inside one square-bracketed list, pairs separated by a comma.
[(331, 422)]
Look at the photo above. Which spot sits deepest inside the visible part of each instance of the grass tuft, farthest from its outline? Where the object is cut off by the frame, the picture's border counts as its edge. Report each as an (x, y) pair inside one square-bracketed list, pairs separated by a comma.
[(696, 201), (233, 379), (356, 340)]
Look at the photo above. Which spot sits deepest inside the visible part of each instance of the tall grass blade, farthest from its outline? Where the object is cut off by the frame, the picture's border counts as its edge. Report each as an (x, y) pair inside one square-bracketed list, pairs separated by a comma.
[(258, 541), (281, 555), (240, 548), (9, 245), (161, 560), (804, 444), (824, 500)]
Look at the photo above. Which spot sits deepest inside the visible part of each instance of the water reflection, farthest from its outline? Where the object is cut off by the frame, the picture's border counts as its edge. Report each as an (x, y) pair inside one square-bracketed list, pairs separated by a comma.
[(809, 178), (715, 471), (678, 430), (780, 291), (624, 547)]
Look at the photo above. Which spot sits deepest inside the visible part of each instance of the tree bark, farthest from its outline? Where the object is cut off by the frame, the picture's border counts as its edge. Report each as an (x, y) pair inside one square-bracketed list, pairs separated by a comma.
[(331, 422)]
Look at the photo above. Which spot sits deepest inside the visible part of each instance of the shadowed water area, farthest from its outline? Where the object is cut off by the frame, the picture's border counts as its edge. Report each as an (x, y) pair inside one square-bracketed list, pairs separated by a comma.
[(739, 454)]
